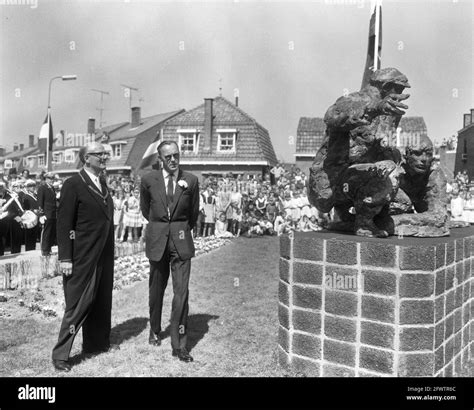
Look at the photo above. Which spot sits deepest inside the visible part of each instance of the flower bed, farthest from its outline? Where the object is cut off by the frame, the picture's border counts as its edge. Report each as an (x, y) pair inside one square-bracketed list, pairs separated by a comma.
[(46, 299)]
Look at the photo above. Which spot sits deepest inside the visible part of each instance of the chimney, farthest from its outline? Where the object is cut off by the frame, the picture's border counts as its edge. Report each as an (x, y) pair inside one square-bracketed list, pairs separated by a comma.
[(207, 124), (31, 140), (91, 126), (236, 100), (22, 146), (467, 120), (136, 117), (472, 115), (15, 147), (2, 151)]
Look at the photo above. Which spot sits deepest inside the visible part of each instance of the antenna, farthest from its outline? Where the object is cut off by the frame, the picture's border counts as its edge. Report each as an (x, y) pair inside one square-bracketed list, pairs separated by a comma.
[(220, 87), (130, 89), (101, 108)]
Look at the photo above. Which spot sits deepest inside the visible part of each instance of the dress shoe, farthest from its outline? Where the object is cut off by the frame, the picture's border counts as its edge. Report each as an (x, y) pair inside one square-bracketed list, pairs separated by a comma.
[(154, 339), (182, 355), (61, 365)]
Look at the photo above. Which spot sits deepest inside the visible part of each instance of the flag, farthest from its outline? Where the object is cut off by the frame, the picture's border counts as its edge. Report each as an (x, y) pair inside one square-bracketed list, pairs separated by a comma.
[(151, 154), (45, 139), (374, 49)]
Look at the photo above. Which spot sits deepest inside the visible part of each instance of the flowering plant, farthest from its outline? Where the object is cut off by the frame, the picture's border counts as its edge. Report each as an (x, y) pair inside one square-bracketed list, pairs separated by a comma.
[(182, 183)]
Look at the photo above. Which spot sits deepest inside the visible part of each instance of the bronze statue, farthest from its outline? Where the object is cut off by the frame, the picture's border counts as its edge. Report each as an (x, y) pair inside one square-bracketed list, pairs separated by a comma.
[(355, 168), (422, 190), (356, 125)]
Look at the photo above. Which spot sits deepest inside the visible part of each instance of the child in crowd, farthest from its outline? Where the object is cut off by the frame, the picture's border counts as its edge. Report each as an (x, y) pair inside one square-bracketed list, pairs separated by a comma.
[(468, 211), (313, 224), (267, 226), (271, 210), (236, 220), (457, 206), (221, 227), (255, 229), (132, 216), (209, 212), (279, 220), (303, 224)]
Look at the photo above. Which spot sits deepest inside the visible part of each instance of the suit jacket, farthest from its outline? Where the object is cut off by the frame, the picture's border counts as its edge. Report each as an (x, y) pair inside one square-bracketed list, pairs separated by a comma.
[(85, 231), (30, 202), (47, 201), (178, 223)]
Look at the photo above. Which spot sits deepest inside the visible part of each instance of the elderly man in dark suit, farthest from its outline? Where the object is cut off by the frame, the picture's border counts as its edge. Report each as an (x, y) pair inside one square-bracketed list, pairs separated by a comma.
[(86, 255), (47, 213), (169, 200)]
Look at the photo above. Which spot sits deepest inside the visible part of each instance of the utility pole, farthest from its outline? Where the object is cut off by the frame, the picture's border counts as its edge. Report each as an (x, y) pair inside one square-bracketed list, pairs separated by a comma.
[(101, 108), (128, 93)]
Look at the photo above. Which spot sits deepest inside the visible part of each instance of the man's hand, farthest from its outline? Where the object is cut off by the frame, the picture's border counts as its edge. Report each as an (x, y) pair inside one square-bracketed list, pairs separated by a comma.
[(65, 268), (391, 104), (42, 220)]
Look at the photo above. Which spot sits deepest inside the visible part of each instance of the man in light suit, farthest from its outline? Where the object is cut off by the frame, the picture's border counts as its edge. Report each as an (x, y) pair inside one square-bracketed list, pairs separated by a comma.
[(169, 200), (86, 255)]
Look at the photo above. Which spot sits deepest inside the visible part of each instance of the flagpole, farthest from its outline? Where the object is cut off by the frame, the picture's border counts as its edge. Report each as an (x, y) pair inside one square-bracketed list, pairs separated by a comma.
[(378, 3), (47, 140)]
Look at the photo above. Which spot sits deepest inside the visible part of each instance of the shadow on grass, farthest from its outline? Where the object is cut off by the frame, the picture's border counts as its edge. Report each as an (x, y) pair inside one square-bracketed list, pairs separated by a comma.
[(119, 334), (198, 326), (128, 329)]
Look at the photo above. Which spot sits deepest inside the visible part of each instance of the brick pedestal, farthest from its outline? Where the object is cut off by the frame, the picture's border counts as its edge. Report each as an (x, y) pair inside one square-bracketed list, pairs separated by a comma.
[(352, 306)]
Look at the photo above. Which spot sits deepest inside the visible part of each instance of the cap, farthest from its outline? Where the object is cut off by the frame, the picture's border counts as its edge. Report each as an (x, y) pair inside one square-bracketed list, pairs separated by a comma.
[(49, 175), (30, 182)]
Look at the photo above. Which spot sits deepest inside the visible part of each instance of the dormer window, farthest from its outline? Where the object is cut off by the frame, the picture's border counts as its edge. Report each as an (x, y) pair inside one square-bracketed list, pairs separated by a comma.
[(188, 141), (226, 140), (115, 149)]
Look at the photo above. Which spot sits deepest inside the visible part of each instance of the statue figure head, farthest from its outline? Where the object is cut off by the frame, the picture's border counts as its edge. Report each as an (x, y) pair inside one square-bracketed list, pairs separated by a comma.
[(419, 157), (389, 81)]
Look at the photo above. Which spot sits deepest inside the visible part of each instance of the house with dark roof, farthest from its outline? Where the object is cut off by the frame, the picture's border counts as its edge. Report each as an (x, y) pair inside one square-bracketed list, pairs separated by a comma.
[(309, 137), (311, 131), (17, 160), (218, 137), (128, 141), (465, 146)]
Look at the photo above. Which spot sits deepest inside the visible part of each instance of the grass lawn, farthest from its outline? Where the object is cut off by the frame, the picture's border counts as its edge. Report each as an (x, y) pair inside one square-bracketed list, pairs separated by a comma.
[(232, 327), (232, 324)]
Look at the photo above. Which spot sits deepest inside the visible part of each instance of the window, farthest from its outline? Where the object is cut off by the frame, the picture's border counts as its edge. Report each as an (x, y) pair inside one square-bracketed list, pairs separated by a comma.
[(226, 140), (41, 160), (58, 157), (116, 150), (69, 155), (188, 141)]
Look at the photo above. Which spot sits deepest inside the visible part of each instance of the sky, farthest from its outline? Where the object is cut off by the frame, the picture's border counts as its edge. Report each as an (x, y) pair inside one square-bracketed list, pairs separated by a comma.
[(286, 60)]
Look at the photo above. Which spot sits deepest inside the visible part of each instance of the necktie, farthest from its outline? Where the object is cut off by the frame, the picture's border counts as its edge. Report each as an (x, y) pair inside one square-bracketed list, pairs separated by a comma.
[(169, 190)]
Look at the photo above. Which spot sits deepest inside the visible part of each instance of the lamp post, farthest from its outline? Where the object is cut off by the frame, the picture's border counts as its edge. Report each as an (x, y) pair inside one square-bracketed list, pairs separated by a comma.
[(64, 78)]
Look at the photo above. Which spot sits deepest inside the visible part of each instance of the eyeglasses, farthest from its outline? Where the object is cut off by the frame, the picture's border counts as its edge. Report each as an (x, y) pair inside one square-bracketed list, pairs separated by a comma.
[(168, 157), (99, 154)]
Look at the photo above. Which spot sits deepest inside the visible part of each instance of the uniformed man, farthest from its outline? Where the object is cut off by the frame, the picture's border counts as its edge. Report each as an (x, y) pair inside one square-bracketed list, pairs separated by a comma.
[(47, 212), (15, 211), (30, 203)]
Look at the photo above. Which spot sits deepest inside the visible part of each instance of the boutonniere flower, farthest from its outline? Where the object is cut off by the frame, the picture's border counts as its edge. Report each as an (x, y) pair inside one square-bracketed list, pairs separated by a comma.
[(182, 183)]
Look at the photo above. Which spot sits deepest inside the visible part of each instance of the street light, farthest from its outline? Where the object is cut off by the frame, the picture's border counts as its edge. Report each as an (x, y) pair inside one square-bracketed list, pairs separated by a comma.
[(68, 77), (64, 78)]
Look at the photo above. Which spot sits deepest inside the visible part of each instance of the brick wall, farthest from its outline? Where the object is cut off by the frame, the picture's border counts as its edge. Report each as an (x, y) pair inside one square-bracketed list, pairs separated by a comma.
[(351, 306)]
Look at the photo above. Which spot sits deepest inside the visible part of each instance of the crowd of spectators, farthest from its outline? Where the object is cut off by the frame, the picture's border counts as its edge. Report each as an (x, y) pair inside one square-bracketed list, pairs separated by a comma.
[(241, 205), (270, 205), (461, 195)]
